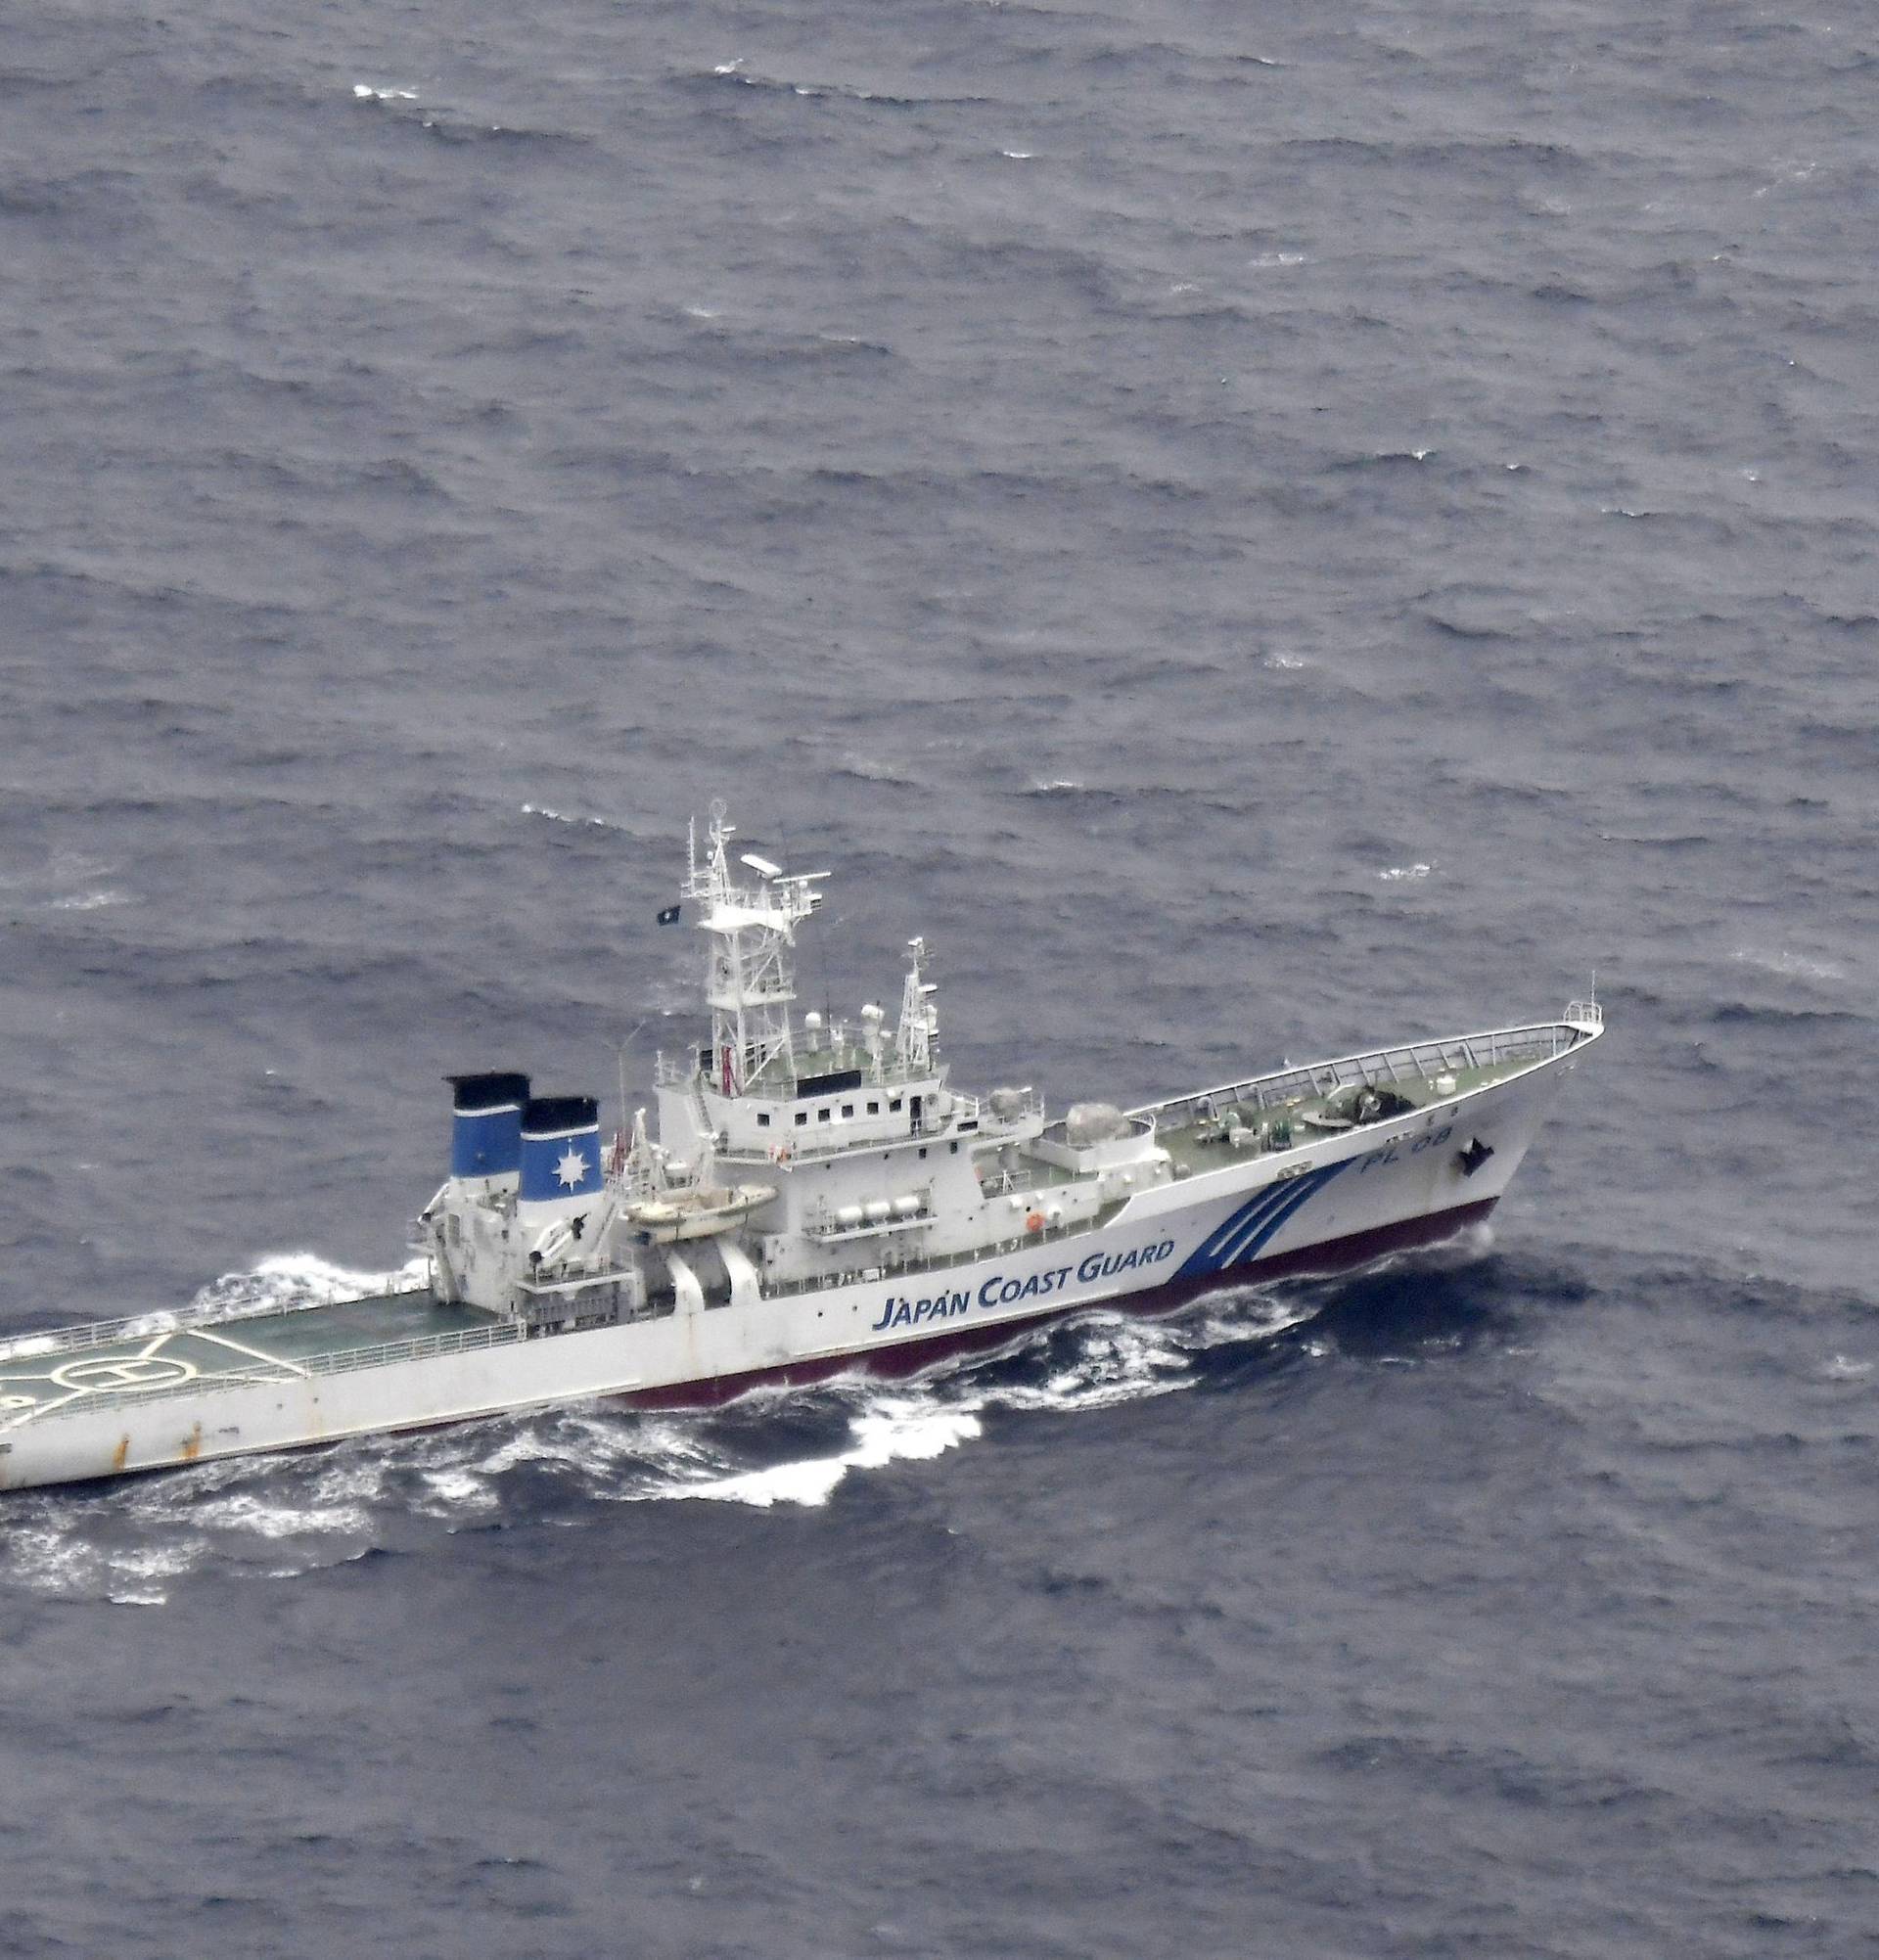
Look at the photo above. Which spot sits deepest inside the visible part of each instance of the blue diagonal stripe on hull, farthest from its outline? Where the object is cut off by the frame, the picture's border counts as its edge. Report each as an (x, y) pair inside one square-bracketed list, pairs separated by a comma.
[(1310, 1187), (1285, 1199), (1209, 1256), (1240, 1239)]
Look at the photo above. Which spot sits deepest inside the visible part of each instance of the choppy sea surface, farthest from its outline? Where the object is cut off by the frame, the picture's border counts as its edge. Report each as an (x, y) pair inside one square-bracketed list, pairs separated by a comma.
[(1258, 531)]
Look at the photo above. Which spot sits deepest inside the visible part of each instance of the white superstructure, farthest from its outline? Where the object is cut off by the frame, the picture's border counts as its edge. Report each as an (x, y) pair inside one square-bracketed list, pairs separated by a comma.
[(814, 1195)]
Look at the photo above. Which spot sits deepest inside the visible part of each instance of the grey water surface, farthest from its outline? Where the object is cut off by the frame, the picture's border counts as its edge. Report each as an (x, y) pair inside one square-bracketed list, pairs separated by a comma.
[(1260, 530)]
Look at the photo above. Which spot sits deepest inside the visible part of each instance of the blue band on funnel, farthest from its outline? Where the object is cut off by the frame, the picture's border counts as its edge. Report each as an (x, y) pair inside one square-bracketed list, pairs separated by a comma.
[(485, 1143), (485, 1132)]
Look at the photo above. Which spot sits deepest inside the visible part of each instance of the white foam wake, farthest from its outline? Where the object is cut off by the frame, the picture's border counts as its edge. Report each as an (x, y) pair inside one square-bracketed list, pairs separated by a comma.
[(284, 1516), (891, 1430), (284, 1280), (1782, 960), (280, 1283)]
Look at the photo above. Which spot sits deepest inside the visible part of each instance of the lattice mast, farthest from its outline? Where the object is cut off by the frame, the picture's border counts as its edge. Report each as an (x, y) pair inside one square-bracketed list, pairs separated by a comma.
[(916, 1041), (749, 980)]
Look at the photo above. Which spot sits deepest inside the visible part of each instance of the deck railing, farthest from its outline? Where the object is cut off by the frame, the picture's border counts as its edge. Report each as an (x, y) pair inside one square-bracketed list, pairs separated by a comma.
[(1418, 1062), (91, 1334), (159, 1320), (292, 1368)]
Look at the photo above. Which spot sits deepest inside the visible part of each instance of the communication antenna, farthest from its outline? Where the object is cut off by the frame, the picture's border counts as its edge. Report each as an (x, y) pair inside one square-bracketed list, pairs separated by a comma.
[(619, 1049), (823, 974)]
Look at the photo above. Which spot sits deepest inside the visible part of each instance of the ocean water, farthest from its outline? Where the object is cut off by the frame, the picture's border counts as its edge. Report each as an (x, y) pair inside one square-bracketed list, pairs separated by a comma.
[(1258, 531)]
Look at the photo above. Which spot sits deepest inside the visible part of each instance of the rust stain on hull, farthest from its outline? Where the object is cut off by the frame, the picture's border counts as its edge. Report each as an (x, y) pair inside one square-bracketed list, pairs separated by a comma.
[(193, 1444), (121, 1455)]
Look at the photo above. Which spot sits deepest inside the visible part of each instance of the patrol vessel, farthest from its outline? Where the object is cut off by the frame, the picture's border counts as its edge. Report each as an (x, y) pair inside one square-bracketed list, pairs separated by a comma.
[(816, 1197)]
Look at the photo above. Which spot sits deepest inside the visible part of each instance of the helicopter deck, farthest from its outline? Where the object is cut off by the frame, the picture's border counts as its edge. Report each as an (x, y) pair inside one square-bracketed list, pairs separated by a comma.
[(120, 1361)]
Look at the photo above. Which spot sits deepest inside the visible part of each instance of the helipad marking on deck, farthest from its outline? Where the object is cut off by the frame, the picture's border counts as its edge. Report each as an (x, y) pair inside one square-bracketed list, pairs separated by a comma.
[(147, 1371), (124, 1374)]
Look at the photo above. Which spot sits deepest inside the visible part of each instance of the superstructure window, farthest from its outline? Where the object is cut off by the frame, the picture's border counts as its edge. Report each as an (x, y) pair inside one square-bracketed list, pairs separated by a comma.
[(802, 1119), (894, 1107), (762, 1119), (848, 1109), (873, 1109), (821, 1115)]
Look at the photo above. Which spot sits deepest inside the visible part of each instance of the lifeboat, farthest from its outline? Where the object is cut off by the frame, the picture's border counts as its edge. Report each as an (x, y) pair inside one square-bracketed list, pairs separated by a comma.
[(697, 1215)]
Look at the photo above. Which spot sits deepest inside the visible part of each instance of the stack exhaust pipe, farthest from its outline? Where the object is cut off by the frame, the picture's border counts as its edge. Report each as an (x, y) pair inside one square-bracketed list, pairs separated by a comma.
[(485, 1131)]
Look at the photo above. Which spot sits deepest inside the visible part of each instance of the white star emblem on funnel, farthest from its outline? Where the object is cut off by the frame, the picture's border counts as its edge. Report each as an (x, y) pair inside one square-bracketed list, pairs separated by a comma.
[(572, 1167)]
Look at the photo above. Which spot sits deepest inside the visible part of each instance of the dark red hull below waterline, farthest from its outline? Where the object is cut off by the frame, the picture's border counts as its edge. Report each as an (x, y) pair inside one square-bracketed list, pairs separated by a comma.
[(913, 1357)]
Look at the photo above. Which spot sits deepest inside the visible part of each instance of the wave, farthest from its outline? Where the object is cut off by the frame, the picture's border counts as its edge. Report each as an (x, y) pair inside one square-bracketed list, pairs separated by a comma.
[(280, 1283), (1462, 629), (1069, 786), (399, 104), (1800, 966), (1670, 841), (282, 1516), (866, 768), (1385, 459), (563, 817), (736, 72), (1750, 1014)]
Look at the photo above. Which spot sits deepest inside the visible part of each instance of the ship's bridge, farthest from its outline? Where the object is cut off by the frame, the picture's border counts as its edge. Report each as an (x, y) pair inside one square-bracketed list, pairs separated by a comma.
[(839, 1096), (838, 1109)]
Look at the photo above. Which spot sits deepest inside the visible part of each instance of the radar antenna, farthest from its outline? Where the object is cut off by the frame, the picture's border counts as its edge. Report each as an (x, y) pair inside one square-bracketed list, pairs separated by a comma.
[(750, 981)]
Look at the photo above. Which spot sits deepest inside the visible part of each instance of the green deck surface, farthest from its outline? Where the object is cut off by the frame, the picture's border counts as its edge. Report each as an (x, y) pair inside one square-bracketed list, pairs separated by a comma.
[(1197, 1147), (267, 1347), (354, 1323)]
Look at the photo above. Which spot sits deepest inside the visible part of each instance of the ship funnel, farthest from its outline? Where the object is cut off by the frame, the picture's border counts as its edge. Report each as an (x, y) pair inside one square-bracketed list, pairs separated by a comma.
[(559, 1156), (485, 1127)]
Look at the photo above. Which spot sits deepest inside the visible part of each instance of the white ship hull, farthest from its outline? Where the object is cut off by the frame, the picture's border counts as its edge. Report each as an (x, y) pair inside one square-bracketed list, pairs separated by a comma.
[(82, 1407)]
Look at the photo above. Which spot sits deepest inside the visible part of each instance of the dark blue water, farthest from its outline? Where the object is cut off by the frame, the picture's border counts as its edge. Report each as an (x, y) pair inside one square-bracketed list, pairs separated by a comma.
[(1258, 531)]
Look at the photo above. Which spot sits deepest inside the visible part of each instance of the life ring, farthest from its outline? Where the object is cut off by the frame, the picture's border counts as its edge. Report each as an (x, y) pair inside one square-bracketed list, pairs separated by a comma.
[(1036, 1222)]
